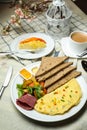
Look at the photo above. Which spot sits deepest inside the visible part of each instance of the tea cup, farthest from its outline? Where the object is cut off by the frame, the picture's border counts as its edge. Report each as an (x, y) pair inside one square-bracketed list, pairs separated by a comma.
[(78, 41)]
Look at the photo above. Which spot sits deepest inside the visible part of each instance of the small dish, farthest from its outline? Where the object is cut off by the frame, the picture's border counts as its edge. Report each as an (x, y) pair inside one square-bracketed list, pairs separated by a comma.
[(26, 54), (68, 51)]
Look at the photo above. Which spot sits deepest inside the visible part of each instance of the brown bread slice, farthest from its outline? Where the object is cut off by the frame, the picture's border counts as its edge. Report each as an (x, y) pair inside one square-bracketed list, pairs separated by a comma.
[(58, 76), (53, 71), (48, 63), (63, 80)]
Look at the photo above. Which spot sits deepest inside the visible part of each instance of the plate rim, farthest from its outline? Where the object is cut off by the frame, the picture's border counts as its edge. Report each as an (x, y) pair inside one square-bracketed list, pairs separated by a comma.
[(67, 115), (31, 55)]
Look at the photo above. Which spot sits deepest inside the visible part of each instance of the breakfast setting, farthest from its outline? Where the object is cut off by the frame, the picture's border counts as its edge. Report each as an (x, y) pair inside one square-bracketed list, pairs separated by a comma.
[(43, 54)]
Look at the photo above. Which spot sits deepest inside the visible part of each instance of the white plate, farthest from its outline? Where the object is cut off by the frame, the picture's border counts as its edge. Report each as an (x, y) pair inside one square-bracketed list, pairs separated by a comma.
[(67, 50), (42, 117), (30, 55)]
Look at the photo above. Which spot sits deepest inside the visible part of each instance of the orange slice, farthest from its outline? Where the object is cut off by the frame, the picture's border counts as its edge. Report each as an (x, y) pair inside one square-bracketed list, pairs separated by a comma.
[(25, 74)]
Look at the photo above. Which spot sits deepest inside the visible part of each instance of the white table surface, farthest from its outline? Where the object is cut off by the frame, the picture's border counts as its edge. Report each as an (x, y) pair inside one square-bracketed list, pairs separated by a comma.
[(10, 117)]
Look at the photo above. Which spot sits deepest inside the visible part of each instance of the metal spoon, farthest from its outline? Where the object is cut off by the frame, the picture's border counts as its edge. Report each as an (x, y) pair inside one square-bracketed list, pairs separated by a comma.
[(82, 54)]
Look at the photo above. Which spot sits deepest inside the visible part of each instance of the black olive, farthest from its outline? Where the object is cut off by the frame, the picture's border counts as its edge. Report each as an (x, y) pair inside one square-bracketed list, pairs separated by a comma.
[(84, 64)]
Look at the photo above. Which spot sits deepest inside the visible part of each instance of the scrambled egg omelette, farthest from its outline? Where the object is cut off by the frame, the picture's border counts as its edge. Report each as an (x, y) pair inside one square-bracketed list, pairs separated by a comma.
[(60, 100)]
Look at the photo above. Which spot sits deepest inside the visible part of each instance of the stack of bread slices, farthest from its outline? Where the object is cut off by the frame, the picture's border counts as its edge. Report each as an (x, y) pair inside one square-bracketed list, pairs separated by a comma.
[(56, 71)]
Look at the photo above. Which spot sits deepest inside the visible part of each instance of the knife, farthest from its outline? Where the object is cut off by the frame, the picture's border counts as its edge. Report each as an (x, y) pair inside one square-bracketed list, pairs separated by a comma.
[(7, 80)]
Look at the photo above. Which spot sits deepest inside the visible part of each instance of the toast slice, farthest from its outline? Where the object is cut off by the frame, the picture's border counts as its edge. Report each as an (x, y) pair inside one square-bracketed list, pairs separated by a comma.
[(65, 79), (58, 76), (49, 63), (53, 71)]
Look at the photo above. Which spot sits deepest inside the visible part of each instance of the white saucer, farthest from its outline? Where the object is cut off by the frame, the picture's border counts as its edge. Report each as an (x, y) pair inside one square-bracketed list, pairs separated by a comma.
[(67, 50)]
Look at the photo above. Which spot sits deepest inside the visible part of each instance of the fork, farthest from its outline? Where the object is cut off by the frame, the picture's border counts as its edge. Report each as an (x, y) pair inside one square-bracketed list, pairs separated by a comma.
[(17, 58), (12, 54), (7, 52)]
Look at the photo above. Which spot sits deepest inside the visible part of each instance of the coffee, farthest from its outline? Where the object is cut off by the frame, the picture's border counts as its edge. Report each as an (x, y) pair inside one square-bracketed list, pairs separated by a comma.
[(79, 37), (78, 41)]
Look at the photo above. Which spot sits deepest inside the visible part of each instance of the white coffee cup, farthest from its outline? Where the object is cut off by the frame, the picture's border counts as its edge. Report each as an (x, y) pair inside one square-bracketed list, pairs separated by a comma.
[(78, 41)]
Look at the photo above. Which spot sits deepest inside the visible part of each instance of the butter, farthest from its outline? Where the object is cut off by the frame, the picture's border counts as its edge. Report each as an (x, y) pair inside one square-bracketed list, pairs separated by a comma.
[(25, 74)]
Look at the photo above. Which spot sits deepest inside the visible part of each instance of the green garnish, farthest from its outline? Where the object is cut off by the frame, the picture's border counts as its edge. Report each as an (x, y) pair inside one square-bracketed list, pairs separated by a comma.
[(20, 90), (66, 87), (62, 100), (35, 90), (70, 96)]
